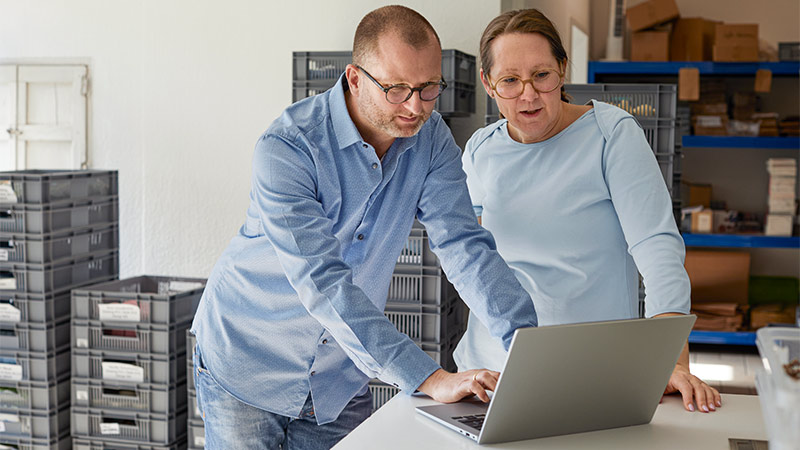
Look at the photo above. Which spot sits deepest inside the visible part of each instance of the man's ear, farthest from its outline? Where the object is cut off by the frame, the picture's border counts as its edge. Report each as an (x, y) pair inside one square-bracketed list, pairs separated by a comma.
[(353, 76), (485, 83)]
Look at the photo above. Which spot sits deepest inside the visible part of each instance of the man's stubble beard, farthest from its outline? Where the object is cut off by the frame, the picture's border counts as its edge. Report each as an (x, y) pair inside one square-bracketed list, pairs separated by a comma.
[(385, 121)]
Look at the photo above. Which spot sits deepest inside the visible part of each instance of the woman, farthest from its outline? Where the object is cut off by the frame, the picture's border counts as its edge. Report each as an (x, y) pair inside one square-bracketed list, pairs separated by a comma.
[(574, 198)]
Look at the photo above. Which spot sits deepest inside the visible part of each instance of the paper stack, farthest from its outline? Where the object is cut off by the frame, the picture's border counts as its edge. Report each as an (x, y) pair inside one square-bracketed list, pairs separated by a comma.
[(782, 196)]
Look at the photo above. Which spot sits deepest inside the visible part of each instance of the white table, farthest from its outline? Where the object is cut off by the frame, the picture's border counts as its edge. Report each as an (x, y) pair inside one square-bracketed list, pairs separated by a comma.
[(397, 426)]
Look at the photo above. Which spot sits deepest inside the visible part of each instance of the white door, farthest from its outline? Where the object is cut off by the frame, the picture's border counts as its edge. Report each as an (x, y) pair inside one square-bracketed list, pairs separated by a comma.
[(48, 126), (8, 117)]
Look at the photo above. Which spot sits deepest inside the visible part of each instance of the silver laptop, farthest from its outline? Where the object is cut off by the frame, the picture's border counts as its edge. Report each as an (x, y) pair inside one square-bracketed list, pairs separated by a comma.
[(567, 379)]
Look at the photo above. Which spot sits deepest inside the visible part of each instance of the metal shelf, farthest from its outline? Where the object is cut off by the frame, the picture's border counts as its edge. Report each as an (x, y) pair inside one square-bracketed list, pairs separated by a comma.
[(723, 337), (758, 142), (672, 68), (740, 240)]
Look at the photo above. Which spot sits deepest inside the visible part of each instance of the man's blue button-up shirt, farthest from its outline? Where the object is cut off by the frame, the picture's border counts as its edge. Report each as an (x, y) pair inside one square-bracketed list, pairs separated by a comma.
[(295, 303)]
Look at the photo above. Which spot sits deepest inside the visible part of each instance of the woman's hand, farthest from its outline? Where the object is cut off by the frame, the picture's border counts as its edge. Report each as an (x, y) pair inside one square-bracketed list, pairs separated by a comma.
[(693, 390)]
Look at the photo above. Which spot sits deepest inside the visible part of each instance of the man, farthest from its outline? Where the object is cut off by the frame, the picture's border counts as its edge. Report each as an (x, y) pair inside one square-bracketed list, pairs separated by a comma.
[(290, 327)]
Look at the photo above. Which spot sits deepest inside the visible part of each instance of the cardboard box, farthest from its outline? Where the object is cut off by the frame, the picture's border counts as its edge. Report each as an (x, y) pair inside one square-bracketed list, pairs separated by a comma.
[(726, 34), (778, 225), (735, 53), (703, 221), (698, 194), (651, 13), (763, 80), (763, 315), (692, 40), (650, 46), (718, 276), (688, 84), (710, 125)]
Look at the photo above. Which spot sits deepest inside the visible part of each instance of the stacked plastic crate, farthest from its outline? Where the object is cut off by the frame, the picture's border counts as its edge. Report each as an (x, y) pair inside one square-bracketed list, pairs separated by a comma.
[(58, 230), (129, 362), (197, 431), (424, 305), (315, 72)]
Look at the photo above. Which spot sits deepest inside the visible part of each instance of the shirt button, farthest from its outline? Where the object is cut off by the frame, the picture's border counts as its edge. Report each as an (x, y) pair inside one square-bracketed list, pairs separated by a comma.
[(324, 341), (365, 145), (374, 165), (360, 237), (313, 372)]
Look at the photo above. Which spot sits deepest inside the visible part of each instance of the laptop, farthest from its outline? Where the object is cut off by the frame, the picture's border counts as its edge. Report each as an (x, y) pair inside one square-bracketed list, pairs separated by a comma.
[(574, 378)]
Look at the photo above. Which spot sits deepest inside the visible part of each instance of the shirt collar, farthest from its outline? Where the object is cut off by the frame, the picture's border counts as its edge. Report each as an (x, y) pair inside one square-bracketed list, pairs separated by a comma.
[(343, 127)]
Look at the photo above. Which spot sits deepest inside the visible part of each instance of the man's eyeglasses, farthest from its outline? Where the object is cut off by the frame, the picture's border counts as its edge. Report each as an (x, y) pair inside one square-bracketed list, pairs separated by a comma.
[(398, 93), (542, 81)]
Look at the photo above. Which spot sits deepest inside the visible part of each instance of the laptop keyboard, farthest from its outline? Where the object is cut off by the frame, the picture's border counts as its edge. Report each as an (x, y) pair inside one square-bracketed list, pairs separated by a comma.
[(474, 421)]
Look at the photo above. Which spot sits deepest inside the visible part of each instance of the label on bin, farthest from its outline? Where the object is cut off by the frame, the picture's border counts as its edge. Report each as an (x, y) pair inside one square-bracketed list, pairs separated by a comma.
[(200, 441), (118, 312), (10, 372), (82, 395), (82, 343), (181, 286), (8, 283), (9, 313), (3, 254), (7, 194), (122, 372), (109, 428)]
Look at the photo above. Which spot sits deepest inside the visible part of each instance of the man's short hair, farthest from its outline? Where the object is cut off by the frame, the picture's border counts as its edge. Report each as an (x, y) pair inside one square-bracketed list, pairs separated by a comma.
[(412, 28)]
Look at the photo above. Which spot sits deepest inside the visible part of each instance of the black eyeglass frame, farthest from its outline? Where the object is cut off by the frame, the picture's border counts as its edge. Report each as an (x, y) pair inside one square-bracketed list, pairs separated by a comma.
[(442, 86)]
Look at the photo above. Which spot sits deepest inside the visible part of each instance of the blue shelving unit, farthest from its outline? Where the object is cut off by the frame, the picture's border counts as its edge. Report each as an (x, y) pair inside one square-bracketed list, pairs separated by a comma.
[(672, 68), (756, 142), (740, 241), (723, 337)]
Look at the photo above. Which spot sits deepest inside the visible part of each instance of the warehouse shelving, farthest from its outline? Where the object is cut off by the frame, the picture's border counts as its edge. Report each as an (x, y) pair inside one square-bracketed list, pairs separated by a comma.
[(672, 68), (740, 241), (755, 142)]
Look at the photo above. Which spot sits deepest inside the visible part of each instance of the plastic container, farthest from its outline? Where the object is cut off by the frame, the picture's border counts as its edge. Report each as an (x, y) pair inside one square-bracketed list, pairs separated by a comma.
[(145, 299), (45, 186), (106, 444), (778, 392), (197, 434), (491, 109), (30, 395), (789, 51), (191, 341), (458, 67), (34, 337), (62, 443), (458, 100), (54, 247), (34, 424), (429, 288), (150, 398), (159, 429), (128, 369), (428, 324), (192, 407), (319, 65), (304, 89), (442, 354), (34, 366), (135, 338), (58, 277), (50, 217), (417, 251), (18, 307), (381, 393)]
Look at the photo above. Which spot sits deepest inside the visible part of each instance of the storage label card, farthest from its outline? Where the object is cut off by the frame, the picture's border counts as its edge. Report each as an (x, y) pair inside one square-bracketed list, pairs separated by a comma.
[(9, 313), (109, 428), (199, 441), (7, 194), (122, 372), (82, 395), (3, 254), (181, 286), (118, 312), (9, 283), (10, 372)]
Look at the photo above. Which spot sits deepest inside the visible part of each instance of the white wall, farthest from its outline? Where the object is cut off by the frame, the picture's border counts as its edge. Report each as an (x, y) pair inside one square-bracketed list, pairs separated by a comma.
[(182, 89)]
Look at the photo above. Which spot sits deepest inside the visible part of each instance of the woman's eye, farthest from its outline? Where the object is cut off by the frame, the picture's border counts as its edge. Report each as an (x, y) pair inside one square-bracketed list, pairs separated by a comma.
[(509, 80), (542, 75)]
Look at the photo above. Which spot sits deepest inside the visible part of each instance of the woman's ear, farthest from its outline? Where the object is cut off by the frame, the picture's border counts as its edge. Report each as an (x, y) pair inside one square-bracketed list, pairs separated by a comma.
[(486, 85)]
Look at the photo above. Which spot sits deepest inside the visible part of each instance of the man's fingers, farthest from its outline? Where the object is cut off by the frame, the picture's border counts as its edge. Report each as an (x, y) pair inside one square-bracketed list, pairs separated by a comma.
[(477, 389)]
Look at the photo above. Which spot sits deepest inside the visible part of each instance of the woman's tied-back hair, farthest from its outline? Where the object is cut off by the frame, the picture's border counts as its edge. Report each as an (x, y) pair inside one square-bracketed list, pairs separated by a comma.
[(412, 28), (522, 21)]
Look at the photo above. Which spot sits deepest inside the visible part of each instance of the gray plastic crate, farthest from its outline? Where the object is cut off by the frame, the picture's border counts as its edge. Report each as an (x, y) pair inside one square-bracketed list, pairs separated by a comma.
[(160, 429), (62, 443), (458, 100), (39, 396), (156, 300), (135, 337), (458, 67), (789, 51), (46, 218), (417, 251), (34, 366), (108, 444), (34, 424), (441, 353), (427, 287), (381, 393), (191, 341), (305, 89), (192, 407), (319, 65), (129, 369), (52, 247), (58, 277), (197, 434), (491, 108), (17, 307), (45, 186), (145, 397), (428, 324), (34, 337)]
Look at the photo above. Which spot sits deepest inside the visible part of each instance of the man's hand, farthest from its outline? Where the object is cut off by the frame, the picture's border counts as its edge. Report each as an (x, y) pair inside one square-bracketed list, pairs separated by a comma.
[(693, 390), (446, 387)]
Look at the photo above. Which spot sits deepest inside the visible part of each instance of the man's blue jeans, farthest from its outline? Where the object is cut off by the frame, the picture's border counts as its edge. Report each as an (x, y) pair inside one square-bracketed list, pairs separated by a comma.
[(232, 424)]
